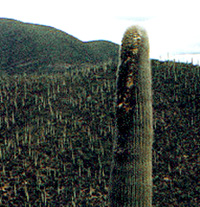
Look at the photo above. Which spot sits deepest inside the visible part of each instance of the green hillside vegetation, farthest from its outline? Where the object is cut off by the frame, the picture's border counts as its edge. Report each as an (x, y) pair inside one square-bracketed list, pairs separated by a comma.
[(56, 134), (25, 46)]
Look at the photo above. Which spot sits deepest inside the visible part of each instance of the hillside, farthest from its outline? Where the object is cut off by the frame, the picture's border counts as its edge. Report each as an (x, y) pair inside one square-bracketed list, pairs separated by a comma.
[(57, 130), (56, 133), (26, 45)]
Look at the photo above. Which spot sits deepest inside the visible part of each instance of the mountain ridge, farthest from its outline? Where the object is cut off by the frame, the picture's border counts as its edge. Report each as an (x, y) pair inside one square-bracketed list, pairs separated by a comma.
[(33, 45)]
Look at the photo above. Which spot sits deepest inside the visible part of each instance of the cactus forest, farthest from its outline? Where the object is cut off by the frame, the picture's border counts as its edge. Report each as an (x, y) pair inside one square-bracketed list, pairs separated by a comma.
[(56, 132)]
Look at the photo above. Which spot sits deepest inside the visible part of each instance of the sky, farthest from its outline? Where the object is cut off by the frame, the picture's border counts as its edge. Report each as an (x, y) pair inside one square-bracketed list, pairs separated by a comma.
[(172, 25)]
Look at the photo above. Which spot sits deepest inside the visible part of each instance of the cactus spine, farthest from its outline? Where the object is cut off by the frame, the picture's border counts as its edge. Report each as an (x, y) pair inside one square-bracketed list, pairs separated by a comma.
[(131, 170)]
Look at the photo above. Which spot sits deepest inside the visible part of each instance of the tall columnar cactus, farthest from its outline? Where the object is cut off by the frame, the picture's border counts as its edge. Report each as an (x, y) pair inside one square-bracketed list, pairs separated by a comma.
[(131, 171)]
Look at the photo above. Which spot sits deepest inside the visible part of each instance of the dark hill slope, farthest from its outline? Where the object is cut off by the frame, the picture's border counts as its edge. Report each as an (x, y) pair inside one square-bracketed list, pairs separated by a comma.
[(25, 45), (103, 50)]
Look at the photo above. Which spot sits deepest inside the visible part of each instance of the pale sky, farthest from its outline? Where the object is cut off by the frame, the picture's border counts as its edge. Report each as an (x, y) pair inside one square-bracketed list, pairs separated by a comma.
[(172, 25)]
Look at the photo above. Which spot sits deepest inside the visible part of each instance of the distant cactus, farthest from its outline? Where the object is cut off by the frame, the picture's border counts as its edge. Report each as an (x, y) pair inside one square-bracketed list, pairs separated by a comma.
[(131, 171)]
